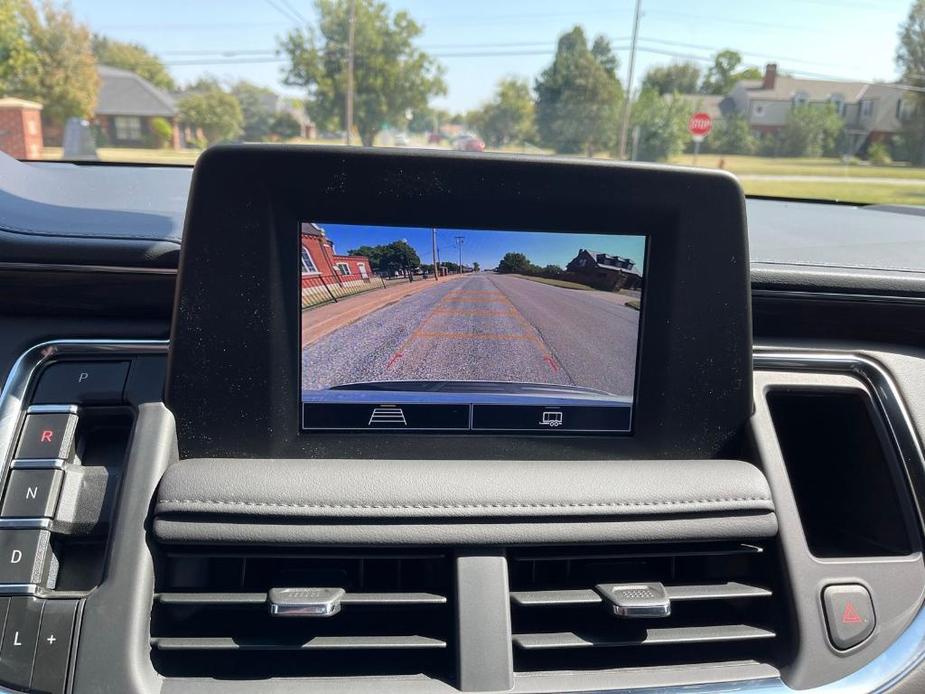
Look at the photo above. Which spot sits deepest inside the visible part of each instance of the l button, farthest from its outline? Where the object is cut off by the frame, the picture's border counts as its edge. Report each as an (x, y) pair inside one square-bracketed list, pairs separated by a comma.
[(17, 650)]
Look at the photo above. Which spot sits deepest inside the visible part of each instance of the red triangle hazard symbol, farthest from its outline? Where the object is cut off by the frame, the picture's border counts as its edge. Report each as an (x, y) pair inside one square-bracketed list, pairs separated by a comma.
[(850, 615)]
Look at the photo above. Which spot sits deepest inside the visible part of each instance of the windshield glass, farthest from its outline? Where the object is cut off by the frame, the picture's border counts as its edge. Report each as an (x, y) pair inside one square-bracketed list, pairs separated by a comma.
[(817, 99)]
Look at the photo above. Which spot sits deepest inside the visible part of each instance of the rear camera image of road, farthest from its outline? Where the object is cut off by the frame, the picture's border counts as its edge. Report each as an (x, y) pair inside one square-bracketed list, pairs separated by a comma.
[(411, 328)]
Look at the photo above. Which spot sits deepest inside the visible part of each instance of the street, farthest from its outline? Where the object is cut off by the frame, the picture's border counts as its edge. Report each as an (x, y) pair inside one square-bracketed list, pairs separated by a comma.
[(485, 327)]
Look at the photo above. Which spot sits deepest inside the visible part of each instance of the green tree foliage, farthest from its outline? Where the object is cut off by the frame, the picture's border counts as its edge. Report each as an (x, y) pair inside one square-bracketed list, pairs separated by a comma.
[(285, 126), (662, 122), (732, 135), (398, 255), (910, 58), (724, 73), (61, 72), (578, 97), (811, 130), (134, 58), (18, 64), (391, 75), (516, 263), (161, 132), (256, 108), (681, 78), (215, 112), (508, 117)]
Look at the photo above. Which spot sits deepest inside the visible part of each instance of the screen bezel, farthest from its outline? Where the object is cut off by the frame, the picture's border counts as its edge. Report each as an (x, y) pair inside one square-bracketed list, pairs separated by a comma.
[(234, 371), (487, 432)]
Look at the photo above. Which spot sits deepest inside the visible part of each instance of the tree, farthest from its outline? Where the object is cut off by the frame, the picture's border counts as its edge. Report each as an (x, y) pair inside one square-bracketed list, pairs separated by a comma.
[(733, 135), (62, 76), (910, 58), (285, 126), (134, 58), (724, 73), (578, 96), (516, 263), (391, 75), (256, 109), (681, 78), (662, 123), (398, 255), (811, 130), (508, 117), (17, 61), (476, 266), (215, 112)]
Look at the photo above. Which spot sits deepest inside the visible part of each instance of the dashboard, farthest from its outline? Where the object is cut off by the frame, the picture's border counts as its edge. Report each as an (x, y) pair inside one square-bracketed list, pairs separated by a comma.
[(316, 419)]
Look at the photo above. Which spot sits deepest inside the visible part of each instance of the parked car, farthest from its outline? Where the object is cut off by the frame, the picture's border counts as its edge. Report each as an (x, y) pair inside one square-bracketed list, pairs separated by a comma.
[(469, 143)]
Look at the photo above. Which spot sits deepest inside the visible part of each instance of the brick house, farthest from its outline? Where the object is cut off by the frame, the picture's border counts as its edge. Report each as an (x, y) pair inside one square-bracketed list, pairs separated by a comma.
[(608, 272), (872, 112), (127, 104), (324, 268), (21, 128)]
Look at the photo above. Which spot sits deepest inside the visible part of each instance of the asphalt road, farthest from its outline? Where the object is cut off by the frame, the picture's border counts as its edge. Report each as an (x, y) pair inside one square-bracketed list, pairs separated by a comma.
[(486, 327)]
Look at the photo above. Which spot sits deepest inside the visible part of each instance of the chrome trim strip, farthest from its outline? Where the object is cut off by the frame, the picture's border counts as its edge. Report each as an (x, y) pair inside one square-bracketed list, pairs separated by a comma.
[(837, 296), (18, 589), (71, 267), (39, 464), (26, 523), (52, 409)]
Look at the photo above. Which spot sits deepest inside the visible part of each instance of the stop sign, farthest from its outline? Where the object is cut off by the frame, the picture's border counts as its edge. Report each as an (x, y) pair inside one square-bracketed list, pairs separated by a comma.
[(700, 124)]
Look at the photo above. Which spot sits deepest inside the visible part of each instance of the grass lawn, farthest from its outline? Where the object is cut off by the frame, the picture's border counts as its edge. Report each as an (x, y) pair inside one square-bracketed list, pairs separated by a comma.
[(556, 283), (794, 166), (864, 193)]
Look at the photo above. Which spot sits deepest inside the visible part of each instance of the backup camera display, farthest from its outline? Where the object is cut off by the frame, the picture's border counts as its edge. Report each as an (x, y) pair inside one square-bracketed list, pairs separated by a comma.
[(418, 328)]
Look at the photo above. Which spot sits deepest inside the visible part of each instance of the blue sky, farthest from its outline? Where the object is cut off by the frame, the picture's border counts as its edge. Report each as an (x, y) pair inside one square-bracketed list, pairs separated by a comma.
[(481, 41), (488, 247)]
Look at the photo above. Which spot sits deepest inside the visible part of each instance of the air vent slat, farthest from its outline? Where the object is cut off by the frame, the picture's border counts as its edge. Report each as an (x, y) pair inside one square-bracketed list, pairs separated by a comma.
[(722, 591), (547, 598), (261, 598), (709, 603), (317, 643), (645, 637), (212, 615)]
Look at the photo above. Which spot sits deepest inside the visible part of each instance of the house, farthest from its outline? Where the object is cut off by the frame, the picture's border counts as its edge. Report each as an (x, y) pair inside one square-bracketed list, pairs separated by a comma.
[(602, 271), (126, 106), (276, 104), (325, 272), (873, 112), (712, 104)]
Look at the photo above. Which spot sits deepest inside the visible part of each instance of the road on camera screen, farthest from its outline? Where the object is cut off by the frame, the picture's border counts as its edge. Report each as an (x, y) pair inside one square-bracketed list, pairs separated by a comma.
[(484, 327)]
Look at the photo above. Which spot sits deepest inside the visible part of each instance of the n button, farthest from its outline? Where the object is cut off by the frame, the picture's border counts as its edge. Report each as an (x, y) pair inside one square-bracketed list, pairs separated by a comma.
[(31, 494)]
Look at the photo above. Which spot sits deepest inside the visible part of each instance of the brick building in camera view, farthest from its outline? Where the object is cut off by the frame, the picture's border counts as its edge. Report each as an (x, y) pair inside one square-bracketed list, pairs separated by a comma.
[(323, 268)]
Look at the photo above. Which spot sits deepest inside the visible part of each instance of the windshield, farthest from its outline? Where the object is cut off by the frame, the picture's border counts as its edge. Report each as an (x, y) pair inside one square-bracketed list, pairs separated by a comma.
[(817, 99)]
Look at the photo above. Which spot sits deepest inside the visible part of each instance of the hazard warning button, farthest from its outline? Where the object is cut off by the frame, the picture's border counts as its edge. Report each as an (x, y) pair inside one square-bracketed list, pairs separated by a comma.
[(849, 614)]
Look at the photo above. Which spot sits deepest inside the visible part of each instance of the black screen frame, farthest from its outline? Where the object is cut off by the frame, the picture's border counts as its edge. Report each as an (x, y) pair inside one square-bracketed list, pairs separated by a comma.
[(234, 368)]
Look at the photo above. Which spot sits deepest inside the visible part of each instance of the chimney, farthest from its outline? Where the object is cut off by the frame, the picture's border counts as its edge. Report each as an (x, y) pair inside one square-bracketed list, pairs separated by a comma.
[(770, 76)]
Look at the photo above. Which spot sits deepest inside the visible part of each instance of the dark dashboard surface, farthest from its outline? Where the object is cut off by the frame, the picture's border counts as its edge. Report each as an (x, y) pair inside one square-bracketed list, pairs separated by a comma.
[(133, 217)]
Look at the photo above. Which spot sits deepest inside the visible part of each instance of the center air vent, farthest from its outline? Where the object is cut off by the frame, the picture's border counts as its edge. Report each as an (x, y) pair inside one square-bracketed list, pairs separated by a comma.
[(601, 608), (388, 613)]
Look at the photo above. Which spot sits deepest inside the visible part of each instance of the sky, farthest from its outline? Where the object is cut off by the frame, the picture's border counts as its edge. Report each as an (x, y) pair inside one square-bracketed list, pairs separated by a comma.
[(488, 247), (482, 41)]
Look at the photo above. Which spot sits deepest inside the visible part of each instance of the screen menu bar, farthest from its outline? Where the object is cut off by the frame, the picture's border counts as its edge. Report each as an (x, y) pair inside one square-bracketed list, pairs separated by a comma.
[(317, 416)]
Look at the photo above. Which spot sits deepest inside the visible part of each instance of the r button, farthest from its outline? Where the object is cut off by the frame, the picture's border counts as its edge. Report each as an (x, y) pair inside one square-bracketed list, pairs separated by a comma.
[(47, 436)]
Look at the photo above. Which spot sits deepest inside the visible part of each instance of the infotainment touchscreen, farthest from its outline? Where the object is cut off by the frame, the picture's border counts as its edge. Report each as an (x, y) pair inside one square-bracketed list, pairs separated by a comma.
[(468, 330)]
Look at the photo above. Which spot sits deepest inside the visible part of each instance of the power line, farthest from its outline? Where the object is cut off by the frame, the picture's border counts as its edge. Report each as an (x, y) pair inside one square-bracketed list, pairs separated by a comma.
[(284, 12), (293, 10)]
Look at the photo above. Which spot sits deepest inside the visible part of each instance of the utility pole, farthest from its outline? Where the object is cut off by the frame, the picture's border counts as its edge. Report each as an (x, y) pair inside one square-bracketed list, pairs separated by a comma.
[(459, 242), (351, 36), (436, 270), (624, 126)]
